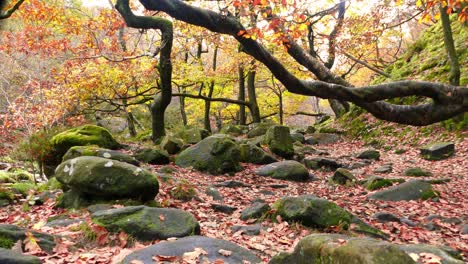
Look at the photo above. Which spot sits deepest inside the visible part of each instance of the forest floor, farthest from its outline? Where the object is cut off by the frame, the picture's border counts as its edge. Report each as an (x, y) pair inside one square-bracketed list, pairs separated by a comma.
[(75, 245)]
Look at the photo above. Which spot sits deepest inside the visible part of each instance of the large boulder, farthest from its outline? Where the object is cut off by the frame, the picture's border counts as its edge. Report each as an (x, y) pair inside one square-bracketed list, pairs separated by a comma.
[(343, 177), (341, 249), (438, 151), (234, 130), (152, 156), (192, 135), (322, 138), (253, 154), (95, 151), (12, 257), (279, 141), (10, 234), (411, 190), (446, 257), (172, 144), (370, 154), (285, 170), (259, 129), (213, 248), (216, 154), (104, 179), (148, 223)]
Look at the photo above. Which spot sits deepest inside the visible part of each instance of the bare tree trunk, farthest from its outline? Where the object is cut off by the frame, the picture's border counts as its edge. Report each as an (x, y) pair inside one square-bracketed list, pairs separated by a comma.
[(241, 96), (281, 110), (450, 47), (253, 105)]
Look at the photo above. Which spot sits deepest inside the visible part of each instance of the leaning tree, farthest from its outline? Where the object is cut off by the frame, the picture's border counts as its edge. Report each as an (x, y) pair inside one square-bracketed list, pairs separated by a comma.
[(447, 100)]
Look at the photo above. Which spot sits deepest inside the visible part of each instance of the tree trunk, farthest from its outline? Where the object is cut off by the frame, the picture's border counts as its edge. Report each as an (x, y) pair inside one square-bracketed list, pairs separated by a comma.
[(183, 114), (131, 124), (253, 105), (207, 123), (281, 111), (450, 47), (241, 96)]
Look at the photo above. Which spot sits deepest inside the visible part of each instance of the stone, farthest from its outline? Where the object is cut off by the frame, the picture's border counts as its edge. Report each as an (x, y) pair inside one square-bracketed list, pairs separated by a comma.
[(384, 217), (310, 130), (192, 135), (98, 207), (417, 172), (253, 154), (152, 156), (78, 151), (375, 182), (369, 154), (336, 248), (63, 222), (231, 184), (113, 124), (311, 164), (9, 234), (298, 137), (464, 230), (171, 144), (438, 151), (327, 163), (284, 170), (98, 178), (251, 230), (279, 141), (12, 257), (446, 257), (357, 165), (279, 186), (256, 210), (223, 208), (178, 247), (411, 190), (386, 168), (234, 130), (259, 129), (407, 222), (216, 154), (213, 192), (343, 177), (322, 139), (148, 223)]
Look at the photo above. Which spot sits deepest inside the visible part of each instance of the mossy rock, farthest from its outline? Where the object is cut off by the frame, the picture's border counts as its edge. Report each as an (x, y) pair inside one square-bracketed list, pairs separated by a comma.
[(9, 234), (285, 170), (13, 257), (154, 156), (50, 185), (171, 144), (78, 151), (6, 177), (374, 183), (417, 172), (253, 154), (192, 135), (343, 177), (279, 141), (369, 154), (411, 190), (258, 129), (298, 137), (438, 151), (216, 154), (234, 130), (146, 223), (23, 188), (256, 210), (322, 138), (445, 256), (341, 249), (100, 178)]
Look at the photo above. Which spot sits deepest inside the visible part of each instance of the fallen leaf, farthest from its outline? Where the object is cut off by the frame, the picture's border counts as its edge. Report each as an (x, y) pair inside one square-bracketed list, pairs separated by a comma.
[(161, 217)]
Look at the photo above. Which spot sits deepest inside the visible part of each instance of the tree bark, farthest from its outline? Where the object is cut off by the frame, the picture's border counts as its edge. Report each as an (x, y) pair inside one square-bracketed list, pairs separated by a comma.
[(241, 96), (253, 105), (450, 47), (163, 99), (448, 101)]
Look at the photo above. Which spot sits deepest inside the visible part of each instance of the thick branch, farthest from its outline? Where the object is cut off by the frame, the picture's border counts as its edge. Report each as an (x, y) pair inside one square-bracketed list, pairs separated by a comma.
[(6, 14), (367, 65), (211, 99)]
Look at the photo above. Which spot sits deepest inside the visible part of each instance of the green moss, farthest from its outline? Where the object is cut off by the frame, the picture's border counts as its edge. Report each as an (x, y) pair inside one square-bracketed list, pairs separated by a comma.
[(429, 194), (23, 188), (6, 242), (417, 172), (51, 184), (183, 191), (377, 183)]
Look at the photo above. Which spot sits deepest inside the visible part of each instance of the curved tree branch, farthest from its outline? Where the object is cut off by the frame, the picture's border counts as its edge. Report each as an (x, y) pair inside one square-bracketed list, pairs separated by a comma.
[(6, 14), (449, 100)]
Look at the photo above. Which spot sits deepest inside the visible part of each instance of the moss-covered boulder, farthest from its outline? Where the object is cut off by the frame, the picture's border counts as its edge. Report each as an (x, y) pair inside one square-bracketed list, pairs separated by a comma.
[(285, 170), (154, 156), (369, 154), (322, 163), (417, 172), (216, 154), (192, 135), (6, 177), (438, 151), (446, 257), (9, 234), (342, 177), (256, 210), (78, 151), (253, 154), (172, 144), (374, 183), (213, 248), (341, 249), (279, 141), (13, 257), (411, 190), (258, 129), (233, 130), (104, 179), (298, 137), (322, 138), (147, 223)]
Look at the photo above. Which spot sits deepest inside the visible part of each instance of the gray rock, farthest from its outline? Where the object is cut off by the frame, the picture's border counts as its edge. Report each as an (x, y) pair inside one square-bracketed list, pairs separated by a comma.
[(216, 154), (148, 223), (298, 137), (357, 165), (259, 129), (251, 230), (342, 177), (369, 154), (326, 163), (387, 168), (98, 207), (446, 257), (285, 170), (231, 184), (251, 153), (223, 208), (113, 124), (12, 233), (256, 210), (279, 141), (153, 156), (213, 192), (407, 222), (78, 151), (438, 151), (384, 217), (322, 138), (188, 244), (172, 144), (464, 230), (374, 183), (192, 135), (417, 172), (63, 222), (12, 257), (411, 190), (234, 130)]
